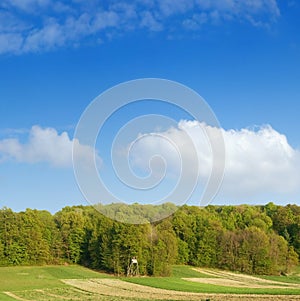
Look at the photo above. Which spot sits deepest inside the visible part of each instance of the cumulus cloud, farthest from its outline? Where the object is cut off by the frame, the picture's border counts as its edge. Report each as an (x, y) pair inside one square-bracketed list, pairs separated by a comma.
[(258, 161), (261, 161), (42, 25), (175, 144), (44, 145)]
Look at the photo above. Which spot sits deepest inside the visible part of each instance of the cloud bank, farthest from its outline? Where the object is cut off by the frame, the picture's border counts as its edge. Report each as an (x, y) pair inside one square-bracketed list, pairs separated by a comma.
[(43, 25), (258, 161), (43, 145)]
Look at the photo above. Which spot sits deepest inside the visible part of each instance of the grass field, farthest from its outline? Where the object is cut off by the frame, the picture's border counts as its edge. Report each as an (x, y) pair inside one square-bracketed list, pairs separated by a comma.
[(18, 279), (68, 283), (210, 281)]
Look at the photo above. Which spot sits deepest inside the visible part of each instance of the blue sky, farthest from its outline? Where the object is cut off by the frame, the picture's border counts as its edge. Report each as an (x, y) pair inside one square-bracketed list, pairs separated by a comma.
[(243, 57)]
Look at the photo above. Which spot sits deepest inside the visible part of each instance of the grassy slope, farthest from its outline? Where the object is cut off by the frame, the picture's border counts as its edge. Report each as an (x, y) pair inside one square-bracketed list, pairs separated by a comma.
[(28, 278), (182, 271), (176, 283)]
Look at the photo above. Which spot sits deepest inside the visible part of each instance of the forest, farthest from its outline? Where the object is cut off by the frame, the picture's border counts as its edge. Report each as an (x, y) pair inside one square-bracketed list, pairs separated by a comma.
[(261, 240)]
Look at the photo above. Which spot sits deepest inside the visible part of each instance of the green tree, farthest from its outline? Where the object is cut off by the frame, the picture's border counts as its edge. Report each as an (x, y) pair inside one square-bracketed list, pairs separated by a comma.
[(165, 248), (70, 222)]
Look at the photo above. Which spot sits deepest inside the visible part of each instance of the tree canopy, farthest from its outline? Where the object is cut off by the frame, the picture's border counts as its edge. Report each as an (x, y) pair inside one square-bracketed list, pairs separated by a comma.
[(250, 239)]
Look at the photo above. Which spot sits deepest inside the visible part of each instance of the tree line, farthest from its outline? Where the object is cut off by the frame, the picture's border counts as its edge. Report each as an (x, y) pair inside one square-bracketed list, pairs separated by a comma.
[(248, 239)]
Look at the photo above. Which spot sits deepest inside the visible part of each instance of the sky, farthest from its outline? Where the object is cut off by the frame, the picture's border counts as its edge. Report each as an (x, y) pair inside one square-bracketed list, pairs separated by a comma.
[(242, 57)]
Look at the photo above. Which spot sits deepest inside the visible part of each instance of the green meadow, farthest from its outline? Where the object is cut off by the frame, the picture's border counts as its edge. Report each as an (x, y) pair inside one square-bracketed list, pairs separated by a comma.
[(44, 283), (31, 278)]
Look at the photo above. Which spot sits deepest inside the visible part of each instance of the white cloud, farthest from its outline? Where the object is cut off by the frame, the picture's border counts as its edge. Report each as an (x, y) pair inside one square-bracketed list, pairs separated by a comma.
[(51, 36), (261, 161), (26, 5), (170, 7), (41, 25), (150, 22), (218, 11), (10, 42), (43, 145), (105, 19), (241, 7), (258, 161)]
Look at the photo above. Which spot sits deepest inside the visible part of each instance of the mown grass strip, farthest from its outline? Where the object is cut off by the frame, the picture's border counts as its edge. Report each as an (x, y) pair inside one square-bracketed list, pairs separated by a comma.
[(177, 284)]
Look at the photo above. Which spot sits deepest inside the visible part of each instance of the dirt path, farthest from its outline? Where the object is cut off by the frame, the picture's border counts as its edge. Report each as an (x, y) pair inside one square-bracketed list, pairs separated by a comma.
[(10, 294), (225, 278), (241, 284)]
